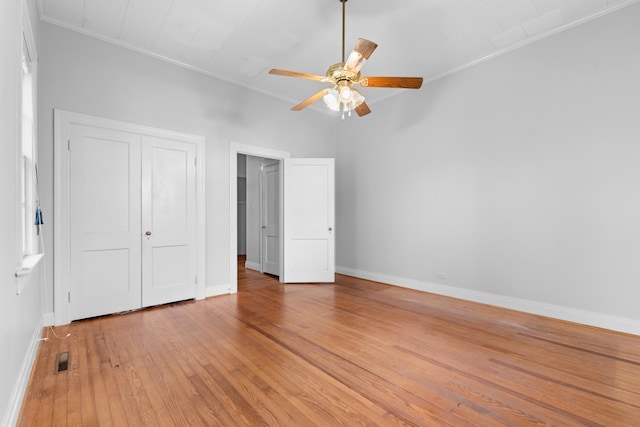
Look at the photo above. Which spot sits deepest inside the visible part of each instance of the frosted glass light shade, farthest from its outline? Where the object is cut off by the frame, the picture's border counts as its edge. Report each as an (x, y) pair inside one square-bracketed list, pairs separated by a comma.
[(331, 100), (347, 99)]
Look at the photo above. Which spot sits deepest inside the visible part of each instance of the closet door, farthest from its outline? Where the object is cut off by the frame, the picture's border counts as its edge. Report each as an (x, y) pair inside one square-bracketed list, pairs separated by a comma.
[(132, 221), (129, 209), (104, 176), (168, 221)]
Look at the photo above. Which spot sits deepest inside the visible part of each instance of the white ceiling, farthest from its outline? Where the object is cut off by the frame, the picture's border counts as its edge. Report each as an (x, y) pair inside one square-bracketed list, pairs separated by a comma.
[(240, 40)]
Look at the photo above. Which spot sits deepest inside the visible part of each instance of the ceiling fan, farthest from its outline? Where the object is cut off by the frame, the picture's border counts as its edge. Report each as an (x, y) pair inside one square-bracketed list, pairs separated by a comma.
[(343, 75)]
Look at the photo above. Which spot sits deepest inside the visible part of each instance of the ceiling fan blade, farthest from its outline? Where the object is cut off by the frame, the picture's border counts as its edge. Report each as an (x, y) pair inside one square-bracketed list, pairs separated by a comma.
[(393, 82), (362, 109), (365, 48), (287, 73), (311, 100), (360, 53)]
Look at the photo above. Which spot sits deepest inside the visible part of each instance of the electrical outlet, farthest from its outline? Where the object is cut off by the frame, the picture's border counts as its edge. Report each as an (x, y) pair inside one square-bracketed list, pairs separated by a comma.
[(441, 276)]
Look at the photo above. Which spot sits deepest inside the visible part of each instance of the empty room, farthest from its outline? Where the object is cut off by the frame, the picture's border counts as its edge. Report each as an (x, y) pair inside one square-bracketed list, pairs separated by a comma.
[(319, 213)]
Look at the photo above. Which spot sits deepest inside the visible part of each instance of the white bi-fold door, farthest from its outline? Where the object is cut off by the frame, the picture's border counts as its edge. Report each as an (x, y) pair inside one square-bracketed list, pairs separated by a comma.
[(132, 220)]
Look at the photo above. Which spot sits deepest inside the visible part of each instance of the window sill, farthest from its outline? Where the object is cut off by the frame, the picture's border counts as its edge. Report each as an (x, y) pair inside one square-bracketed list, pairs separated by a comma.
[(27, 265)]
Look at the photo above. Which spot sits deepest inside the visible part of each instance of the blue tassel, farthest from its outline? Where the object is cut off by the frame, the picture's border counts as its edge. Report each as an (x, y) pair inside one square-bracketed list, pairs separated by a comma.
[(39, 220)]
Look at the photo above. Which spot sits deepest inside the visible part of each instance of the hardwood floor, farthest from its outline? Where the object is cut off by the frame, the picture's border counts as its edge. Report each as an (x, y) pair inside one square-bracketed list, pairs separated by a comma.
[(353, 353)]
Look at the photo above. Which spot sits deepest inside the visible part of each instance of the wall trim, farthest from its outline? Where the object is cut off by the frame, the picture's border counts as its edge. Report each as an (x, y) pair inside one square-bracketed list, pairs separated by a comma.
[(605, 321), (48, 319), (15, 404), (253, 266)]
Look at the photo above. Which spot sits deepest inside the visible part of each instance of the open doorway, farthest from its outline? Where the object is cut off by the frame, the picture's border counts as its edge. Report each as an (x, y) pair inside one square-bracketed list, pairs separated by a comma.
[(275, 157), (307, 206)]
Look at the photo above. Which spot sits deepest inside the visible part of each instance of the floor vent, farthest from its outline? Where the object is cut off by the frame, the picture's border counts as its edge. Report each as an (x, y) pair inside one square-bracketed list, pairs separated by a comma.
[(62, 362)]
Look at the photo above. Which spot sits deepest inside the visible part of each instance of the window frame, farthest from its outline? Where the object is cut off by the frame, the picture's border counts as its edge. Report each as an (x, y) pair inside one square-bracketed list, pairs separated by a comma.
[(28, 249)]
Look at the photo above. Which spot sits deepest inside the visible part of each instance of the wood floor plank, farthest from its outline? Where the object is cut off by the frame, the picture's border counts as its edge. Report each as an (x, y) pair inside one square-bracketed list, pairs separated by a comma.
[(373, 354), (42, 375), (346, 354), (138, 405), (317, 395), (252, 380)]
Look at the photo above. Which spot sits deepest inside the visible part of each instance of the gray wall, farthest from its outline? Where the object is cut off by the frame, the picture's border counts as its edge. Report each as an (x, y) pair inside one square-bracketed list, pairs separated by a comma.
[(516, 178), (20, 315), (88, 76)]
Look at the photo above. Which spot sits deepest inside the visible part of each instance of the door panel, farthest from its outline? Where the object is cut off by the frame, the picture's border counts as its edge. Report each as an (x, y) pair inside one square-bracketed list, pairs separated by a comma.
[(170, 266), (105, 217), (168, 187), (106, 274), (168, 221), (310, 254), (271, 219), (309, 240)]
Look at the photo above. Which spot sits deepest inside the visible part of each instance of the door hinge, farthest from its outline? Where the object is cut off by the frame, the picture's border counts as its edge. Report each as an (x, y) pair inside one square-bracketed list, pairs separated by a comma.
[(196, 280), (195, 161), (68, 145), (69, 296)]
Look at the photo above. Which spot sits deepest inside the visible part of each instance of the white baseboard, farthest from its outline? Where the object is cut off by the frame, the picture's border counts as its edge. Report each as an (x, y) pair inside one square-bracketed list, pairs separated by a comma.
[(253, 266), (11, 417), (600, 320), (213, 291), (48, 319)]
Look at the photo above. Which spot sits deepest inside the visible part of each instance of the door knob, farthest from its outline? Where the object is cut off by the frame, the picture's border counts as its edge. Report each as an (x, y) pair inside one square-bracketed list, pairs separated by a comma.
[(264, 226), (148, 233), (330, 229)]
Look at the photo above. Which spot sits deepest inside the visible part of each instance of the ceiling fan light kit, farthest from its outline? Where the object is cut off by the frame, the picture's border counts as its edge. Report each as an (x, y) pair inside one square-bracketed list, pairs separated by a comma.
[(342, 97)]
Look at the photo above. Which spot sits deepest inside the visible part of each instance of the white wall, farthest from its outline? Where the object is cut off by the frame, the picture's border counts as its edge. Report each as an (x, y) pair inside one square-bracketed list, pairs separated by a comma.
[(85, 75), (517, 180), (20, 315)]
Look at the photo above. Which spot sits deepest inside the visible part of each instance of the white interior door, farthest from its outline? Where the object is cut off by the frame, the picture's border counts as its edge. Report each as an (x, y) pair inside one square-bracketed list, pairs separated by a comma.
[(105, 217), (133, 221), (309, 211), (168, 221), (100, 174), (270, 251)]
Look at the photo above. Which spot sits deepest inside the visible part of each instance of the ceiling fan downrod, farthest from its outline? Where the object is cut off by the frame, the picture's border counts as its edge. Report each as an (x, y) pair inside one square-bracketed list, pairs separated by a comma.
[(344, 3)]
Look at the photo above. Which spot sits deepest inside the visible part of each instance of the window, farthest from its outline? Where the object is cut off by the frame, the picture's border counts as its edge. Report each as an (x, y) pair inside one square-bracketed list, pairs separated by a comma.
[(27, 163), (29, 251)]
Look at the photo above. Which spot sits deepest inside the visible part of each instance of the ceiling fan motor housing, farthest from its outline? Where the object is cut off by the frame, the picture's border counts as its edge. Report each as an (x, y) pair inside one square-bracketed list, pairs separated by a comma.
[(336, 74)]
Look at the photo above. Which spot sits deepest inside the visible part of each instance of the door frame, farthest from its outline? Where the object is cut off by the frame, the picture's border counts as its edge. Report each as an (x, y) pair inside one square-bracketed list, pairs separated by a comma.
[(250, 150), (63, 120)]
